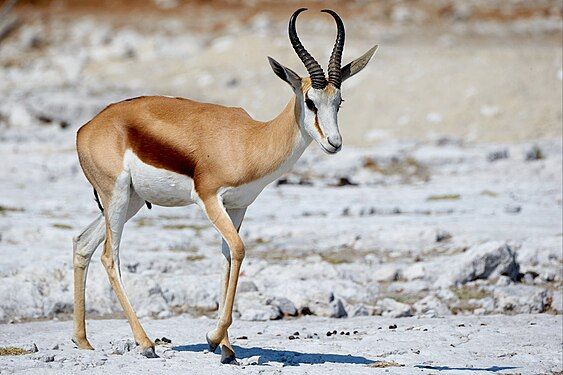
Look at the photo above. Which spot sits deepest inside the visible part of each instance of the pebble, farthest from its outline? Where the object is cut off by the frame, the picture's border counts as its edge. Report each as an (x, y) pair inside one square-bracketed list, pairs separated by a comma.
[(534, 154), (162, 340), (252, 361), (123, 346), (46, 358), (32, 348), (498, 155)]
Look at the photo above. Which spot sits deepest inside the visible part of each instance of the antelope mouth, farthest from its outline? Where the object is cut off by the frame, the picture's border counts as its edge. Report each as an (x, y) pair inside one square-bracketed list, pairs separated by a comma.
[(332, 150)]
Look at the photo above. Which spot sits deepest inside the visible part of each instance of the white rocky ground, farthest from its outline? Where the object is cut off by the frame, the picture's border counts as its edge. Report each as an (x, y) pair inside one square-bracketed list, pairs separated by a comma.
[(461, 226), (520, 344), (424, 230)]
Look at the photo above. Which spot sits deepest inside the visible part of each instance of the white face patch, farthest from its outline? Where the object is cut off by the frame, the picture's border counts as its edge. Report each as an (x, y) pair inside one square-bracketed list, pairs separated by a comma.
[(321, 118)]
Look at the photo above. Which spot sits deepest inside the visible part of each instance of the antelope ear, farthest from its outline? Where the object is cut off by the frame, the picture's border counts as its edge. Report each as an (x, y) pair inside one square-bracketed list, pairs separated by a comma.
[(357, 65), (286, 74)]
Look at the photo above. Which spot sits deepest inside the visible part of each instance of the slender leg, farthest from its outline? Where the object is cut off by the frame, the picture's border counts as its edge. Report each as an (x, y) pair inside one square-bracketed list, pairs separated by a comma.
[(219, 217), (123, 201), (84, 246), (236, 216)]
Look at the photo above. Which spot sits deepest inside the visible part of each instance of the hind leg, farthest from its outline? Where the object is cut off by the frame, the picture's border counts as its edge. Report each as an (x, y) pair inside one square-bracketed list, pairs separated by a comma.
[(84, 246), (123, 200)]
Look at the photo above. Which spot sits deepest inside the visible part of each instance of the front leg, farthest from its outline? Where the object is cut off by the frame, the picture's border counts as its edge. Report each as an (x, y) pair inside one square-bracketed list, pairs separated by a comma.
[(236, 215), (227, 223)]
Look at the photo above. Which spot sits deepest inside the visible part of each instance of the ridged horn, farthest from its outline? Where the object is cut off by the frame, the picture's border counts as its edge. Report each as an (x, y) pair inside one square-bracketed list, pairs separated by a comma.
[(335, 62), (318, 80)]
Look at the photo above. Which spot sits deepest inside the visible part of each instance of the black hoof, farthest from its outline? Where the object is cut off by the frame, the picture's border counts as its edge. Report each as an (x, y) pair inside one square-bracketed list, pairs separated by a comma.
[(228, 356), (149, 353), (229, 360), (212, 347)]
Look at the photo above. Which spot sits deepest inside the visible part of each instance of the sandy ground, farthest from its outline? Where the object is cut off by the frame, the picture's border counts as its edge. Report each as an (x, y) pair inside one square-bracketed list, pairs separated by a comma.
[(522, 344)]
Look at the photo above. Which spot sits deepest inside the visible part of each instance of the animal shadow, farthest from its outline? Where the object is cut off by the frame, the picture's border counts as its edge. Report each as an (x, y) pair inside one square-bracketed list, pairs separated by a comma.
[(287, 357), (448, 368)]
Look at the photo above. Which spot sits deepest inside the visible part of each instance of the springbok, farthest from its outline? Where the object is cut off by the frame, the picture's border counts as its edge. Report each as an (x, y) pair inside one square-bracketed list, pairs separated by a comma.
[(175, 152)]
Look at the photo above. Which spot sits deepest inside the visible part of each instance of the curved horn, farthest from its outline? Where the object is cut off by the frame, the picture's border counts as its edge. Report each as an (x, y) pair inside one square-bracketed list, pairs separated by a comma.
[(318, 80), (334, 64)]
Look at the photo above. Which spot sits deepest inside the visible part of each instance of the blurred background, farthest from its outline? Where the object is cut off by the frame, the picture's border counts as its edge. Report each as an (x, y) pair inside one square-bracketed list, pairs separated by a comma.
[(451, 160), (481, 70)]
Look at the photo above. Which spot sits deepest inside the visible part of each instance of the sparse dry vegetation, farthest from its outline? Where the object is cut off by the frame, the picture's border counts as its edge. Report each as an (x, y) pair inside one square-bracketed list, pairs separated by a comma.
[(12, 350)]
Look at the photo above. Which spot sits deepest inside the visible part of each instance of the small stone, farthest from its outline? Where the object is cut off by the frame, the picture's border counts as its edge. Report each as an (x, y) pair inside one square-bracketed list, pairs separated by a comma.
[(361, 311), (431, 306), (512, 209), (252, 361), (46, 358), (497, 155), (123, 346), (393, 326), (338, 310), (242, 338), (32, 348), (534, 154), (286, 307), (442, 235), (391, 308)]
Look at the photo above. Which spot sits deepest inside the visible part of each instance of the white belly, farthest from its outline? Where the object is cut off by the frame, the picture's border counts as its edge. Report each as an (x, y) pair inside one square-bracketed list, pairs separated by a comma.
[(159, 186)]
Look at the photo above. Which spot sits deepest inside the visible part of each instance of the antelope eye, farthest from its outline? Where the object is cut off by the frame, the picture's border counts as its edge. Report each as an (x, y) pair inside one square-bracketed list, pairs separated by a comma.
[(311, 105)]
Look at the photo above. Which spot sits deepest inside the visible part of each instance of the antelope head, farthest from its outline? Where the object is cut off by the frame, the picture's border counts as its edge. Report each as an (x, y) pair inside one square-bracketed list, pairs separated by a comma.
[(320, 97)]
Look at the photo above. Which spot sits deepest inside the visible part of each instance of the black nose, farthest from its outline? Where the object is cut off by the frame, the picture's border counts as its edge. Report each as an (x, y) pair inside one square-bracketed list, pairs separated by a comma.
[(336, 143)]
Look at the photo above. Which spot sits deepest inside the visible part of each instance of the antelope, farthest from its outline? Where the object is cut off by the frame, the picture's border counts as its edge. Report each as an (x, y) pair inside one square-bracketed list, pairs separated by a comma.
[(175, 152)]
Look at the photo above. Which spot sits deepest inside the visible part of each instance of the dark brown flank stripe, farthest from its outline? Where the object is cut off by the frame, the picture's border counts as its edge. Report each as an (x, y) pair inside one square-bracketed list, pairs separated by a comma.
[(151, 150)]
